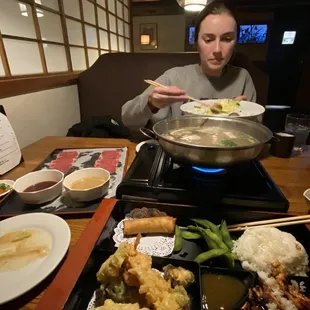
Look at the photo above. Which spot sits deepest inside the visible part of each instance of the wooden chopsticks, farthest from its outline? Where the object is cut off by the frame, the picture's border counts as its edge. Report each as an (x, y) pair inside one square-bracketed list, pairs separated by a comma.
[(287, 221), (153, 83)]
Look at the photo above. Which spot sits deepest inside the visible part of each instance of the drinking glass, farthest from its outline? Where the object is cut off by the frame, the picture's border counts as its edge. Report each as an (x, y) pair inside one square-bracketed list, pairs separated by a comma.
[(299, 125)]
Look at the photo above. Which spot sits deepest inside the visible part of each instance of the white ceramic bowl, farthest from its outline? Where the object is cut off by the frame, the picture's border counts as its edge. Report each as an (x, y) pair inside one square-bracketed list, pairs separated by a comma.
[(138, 147), (87, 194), (248, 110), (44, 195), (307, 196), (9, 183)]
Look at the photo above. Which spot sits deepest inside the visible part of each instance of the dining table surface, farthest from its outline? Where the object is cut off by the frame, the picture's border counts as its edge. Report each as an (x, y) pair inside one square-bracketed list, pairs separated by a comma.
[(292, 175)]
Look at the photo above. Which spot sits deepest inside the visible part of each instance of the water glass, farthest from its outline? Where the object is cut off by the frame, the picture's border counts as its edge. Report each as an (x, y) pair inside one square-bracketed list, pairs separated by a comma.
[(299, 125)]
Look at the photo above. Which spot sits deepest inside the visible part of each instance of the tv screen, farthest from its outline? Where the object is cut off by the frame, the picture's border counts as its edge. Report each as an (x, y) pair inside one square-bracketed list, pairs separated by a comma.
[(288, 37), (252, 34), (191, 35)]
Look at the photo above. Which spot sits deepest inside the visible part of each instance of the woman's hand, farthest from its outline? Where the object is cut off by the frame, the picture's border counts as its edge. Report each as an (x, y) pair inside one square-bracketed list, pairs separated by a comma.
[(240, 98), (161, 97)]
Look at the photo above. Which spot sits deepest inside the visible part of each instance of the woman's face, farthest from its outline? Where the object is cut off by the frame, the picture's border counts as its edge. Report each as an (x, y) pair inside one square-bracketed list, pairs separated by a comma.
[(216, 41)]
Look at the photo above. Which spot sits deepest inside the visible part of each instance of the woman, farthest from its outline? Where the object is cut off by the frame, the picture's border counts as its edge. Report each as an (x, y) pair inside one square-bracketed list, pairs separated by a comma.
[(215, 36)]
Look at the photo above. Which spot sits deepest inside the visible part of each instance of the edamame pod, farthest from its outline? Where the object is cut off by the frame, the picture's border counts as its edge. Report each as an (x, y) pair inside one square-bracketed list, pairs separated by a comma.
[(210, 243), (216, 239), (210, 225), (202, 257), (226, 235), (190, 235), (178, 241)]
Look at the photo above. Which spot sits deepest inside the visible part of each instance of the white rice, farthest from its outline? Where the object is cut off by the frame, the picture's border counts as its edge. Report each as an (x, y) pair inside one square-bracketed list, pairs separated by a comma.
[(260, 247)]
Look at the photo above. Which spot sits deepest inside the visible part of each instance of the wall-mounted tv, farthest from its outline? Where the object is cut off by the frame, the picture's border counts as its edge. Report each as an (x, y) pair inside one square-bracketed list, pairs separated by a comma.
[(288, 37), (255, 33), (191, 35)]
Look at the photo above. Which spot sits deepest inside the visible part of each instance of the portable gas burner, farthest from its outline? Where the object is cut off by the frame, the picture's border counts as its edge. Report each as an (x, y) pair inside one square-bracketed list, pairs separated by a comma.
[(154, 176)]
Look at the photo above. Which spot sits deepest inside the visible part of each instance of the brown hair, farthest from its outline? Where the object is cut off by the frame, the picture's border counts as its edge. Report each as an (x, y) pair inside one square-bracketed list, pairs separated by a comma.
[(213, 8)]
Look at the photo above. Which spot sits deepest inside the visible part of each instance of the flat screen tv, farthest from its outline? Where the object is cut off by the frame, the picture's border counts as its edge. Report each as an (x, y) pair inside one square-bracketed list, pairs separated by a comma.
[(255, 33), (191, 35)]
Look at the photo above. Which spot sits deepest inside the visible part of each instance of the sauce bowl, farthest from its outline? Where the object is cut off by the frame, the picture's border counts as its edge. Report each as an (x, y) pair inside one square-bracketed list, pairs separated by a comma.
[(43, 195), (90, 193)]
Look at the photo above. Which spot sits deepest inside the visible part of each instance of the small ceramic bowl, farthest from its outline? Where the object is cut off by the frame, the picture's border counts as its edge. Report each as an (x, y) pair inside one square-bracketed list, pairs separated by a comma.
[(43, 195), (87, 194), (149, 142), (9, 183), (307, 196)]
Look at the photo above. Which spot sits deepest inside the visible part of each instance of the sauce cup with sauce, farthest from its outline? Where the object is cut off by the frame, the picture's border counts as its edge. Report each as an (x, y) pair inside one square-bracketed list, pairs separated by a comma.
[(40, 186), (87, 184)]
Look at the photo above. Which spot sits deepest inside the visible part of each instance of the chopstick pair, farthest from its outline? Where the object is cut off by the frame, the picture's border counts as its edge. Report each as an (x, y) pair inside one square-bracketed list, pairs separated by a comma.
[(153, 83), (294, 220)]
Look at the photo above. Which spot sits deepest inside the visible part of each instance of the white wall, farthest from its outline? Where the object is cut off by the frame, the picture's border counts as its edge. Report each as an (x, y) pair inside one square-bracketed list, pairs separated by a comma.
[(170, 33), (46, 113)]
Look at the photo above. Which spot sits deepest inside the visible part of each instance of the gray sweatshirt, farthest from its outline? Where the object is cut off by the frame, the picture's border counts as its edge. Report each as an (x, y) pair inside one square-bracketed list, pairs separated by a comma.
[(234, 82)]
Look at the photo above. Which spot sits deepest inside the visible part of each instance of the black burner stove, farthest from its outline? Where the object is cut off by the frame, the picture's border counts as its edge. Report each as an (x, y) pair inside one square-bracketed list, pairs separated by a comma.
[(154, 176)]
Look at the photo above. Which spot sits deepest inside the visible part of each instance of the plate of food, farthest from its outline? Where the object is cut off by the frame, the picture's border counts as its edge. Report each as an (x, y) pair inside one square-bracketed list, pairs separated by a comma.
[(31, 247), (6, 186), (224, 107)]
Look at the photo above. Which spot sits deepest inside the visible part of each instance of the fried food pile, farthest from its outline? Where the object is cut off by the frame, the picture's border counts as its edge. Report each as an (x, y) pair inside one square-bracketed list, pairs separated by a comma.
[(128, 282), (276, 293)]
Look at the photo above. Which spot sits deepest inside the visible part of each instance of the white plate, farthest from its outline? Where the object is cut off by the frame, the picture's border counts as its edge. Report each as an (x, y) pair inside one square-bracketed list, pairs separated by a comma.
[(151, 245), (247, 109), (143, 142), (7, 182), (307, 194), (15, 283)]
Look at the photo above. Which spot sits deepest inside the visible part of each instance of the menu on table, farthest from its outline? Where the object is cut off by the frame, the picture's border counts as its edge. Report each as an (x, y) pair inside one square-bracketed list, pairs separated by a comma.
[(10, 153)]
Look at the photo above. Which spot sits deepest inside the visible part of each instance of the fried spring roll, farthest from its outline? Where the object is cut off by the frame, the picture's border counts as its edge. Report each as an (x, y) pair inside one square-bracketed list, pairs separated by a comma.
[(164, 224)]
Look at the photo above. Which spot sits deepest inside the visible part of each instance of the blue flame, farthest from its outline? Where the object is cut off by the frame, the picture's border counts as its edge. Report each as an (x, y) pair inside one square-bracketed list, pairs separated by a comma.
[(208, 170)]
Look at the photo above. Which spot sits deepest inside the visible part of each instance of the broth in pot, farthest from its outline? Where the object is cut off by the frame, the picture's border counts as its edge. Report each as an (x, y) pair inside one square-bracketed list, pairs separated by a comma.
[(211, 136)]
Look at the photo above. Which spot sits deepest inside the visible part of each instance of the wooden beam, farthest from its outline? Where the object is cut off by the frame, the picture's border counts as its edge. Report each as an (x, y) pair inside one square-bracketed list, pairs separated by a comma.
[(84, 33), (108, 24), (39, 38), (97, 28), (65, 34), (4, 57), (15, 87)]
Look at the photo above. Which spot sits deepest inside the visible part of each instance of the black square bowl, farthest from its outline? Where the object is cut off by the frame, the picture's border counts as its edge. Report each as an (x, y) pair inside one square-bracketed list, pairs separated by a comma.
[(87, 282)]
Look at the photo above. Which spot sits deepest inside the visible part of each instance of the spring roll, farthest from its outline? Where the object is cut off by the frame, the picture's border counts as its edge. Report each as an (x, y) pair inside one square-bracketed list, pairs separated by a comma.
[(164, 224)]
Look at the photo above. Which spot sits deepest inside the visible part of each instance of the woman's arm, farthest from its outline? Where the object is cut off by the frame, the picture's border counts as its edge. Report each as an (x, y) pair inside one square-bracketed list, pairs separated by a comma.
[(249, 89), (138, 111)]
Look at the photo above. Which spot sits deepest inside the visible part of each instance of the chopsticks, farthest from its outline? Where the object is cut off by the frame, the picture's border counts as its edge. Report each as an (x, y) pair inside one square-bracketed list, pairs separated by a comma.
[(294, 220), (153, 83)]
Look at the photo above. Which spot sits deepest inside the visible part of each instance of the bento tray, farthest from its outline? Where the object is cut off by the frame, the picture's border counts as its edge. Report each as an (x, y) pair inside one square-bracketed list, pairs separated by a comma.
[(68, 160), (98, 238)]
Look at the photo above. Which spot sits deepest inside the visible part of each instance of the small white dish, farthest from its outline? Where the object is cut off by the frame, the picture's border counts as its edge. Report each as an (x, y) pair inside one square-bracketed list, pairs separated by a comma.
[(9, 183), (155, 245), (15, 283), (40, 196), (307, 195), (87, 194), (144, 142)]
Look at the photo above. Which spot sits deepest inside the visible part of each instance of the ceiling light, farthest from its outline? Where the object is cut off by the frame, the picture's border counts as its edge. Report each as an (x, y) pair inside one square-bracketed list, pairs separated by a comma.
[(23, 9), (194, 5)]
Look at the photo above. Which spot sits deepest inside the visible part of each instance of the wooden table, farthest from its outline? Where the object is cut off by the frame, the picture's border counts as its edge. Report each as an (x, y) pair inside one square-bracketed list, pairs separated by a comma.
[(33, 155), (292, 175)]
